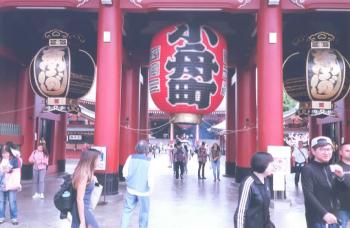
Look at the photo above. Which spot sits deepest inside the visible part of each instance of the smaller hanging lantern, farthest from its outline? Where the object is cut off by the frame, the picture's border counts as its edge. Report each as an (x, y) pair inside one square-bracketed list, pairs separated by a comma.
[(318, 81), (61, 73), (188, 71)]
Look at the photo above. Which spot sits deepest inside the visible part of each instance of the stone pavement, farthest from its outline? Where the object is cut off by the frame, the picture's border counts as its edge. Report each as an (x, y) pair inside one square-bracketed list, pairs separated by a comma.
[(187, 203)]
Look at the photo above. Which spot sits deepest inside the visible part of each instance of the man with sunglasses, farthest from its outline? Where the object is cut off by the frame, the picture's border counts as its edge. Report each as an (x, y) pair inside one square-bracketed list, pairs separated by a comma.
[(318, 180)]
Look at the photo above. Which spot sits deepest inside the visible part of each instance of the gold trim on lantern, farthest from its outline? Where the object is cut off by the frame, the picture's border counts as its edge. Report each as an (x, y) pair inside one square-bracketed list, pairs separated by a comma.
[(188, 118)]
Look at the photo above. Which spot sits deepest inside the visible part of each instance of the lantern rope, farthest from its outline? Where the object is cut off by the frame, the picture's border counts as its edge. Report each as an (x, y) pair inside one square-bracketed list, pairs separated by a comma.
[(16, 110), (346, 60), (148, 129), (290, 56)]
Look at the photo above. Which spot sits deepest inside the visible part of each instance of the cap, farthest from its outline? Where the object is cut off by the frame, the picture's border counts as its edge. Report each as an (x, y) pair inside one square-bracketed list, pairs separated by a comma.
[(321, 141)]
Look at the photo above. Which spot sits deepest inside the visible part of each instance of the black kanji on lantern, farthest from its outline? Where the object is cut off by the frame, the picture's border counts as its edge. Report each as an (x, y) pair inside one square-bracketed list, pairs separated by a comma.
[(199, 93), (192, 66)]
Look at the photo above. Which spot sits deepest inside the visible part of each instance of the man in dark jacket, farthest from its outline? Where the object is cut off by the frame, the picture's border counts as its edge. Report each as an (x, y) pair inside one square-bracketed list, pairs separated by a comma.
[(318, 179), (343, 188), (179, 158)]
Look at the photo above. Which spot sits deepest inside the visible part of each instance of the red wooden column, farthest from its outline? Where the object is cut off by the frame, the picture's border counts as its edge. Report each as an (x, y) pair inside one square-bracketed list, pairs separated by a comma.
[(62, 139), (171, 133), (346, 123), (315, 129), (143, 134), (230, 165), (270, 106), (246, 121), (129, 114), (25, 118), (109, 66)]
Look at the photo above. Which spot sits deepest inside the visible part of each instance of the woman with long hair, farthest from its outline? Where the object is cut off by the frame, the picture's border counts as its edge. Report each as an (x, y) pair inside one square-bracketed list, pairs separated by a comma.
[(40, 160), (9, 169), (84, 182), (215, 160)]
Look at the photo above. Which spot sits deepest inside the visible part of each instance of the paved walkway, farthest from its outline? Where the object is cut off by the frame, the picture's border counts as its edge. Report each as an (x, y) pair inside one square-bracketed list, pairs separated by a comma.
[(186, 203)]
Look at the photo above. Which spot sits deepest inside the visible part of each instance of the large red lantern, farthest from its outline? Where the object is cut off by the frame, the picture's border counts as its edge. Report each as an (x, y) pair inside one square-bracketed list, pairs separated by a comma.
[(317, 77), (188, 71), (61, 73)]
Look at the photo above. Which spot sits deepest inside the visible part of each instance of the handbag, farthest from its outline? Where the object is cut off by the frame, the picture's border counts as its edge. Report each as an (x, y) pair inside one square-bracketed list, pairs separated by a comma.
[(96, 195), (12, 180)]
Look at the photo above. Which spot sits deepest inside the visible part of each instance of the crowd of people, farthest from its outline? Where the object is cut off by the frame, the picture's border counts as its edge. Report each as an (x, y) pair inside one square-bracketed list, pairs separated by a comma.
[(325, 184)]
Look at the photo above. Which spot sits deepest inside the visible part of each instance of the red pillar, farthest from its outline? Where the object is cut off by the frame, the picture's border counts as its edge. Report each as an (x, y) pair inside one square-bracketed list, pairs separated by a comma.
[(171, 133), (230, 165), (129, 114), (270, 106), (62, 139), (144, 109), (315, 129), (109, 63), (25, 118), (246, 121)]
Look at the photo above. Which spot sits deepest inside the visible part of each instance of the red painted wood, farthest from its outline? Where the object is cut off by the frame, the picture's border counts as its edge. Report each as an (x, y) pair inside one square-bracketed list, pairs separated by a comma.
[(8, 88), (270, 106), (231, 142), (62, 132), (25, 115), (129, 112), (12, 138), (228, 5), (246, 116), (144, 109), (314, 4), (109, 62), (83, 4)]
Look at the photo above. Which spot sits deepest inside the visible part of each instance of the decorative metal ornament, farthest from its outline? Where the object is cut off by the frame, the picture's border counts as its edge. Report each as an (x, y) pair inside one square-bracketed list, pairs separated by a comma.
[(188, 71), (317, 75), (61, 74)]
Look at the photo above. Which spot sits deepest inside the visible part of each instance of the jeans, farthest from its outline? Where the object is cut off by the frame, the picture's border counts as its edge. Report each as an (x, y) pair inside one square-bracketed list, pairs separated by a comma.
[(130, 204), (11, 196), (344, 216), (38, 178), (216, 169)]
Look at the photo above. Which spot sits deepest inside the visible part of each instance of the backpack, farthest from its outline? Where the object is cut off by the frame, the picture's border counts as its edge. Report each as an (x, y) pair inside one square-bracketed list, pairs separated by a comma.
[(65, 197), (180, 155)]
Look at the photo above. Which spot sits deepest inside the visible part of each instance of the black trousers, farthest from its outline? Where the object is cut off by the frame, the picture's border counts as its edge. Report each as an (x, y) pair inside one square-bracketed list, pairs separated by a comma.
[(298, 167), (179, 165), (201, 166)]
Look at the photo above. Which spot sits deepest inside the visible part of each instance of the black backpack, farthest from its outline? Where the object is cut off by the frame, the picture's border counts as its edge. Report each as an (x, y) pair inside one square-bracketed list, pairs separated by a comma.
[(65, 197)]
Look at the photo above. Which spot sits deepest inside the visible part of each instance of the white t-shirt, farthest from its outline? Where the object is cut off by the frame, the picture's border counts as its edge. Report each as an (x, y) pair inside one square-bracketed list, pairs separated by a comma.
[(300, 155)]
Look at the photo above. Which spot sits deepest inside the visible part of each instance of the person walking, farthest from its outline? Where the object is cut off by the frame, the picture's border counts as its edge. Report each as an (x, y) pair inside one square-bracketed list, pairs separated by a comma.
[(139, 174), (254, 194), (215, 160), (40, 160), (300, 156), (318, 180), (343, 188), (180, 157), (84, 182), (10, 183), (202, 159)]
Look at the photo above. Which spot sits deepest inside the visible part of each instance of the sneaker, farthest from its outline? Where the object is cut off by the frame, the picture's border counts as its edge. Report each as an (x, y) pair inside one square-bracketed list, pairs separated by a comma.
[(36, 196), (14, 221), (2, 220), (41, 196)]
